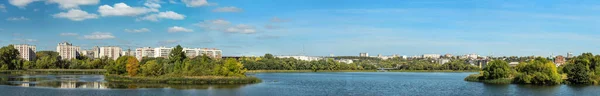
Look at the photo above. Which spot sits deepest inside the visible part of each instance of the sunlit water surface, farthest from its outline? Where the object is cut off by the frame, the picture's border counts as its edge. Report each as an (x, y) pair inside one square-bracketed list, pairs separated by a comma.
[(288, 84)]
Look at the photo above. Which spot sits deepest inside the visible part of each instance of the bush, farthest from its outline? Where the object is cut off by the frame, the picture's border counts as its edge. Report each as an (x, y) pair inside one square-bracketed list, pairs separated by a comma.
[(496, 69), (539, 71)]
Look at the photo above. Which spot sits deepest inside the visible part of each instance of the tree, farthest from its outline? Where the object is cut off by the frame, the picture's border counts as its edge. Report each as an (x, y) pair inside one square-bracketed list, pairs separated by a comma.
[(118, 67), (132, 66), (269, 56), (496, 69), (9, 58), (539, 71), (152, 68), (232, 67), (176, 57)]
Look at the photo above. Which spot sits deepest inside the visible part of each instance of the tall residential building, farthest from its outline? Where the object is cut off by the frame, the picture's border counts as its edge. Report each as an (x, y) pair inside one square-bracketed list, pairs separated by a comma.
[(363, 54), (144, 52), (162, 52), (128, 52), (87, 53), (66, 50), (26, 52), (559, 60), (210, 52), (110, 52), (570, 55)]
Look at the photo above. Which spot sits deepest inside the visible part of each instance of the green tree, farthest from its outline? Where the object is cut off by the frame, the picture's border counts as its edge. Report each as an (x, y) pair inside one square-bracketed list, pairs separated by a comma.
[(496, 69), (9, 58), (539, 71), (177, 57), (152, 68), (232, 67)]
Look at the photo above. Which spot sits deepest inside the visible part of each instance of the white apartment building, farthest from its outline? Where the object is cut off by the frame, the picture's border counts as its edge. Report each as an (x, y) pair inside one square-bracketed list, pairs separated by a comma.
[(66, 50), (432, 56), (304, 58), (128, 52), (144, 52), (26, 52), (210, 52), (110, 52), (162, 52)]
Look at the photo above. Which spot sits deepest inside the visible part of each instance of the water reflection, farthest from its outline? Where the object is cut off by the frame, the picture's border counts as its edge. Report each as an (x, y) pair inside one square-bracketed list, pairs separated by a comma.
[(91, 82)]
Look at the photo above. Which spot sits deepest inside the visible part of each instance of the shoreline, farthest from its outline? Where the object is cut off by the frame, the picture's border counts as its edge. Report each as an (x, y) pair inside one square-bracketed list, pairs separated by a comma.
[(310, 71), (55, 71), (200, 80)]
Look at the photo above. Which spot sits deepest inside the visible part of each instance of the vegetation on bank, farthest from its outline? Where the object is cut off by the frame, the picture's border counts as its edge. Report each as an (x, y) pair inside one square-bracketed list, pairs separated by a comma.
[(269, 62), (583, 69), (302, 71)]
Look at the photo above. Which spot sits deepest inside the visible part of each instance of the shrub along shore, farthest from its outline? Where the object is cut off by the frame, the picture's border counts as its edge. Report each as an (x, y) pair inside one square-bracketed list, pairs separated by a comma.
[(583, 69)]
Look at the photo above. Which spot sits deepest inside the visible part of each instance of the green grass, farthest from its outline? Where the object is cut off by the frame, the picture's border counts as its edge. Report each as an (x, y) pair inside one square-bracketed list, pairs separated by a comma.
[(477, 78), (182, 80)]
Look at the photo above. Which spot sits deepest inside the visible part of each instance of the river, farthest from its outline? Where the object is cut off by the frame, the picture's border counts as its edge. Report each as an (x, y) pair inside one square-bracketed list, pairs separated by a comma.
[(289, 84)]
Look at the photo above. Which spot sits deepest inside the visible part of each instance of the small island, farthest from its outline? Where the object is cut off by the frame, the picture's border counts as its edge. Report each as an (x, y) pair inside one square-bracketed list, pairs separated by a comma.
[(583, 69)]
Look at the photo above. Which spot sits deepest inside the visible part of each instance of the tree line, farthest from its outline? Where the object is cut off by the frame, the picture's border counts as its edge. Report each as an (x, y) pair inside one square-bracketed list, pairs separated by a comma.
[(269, 62), (176, 64), (582, 69)]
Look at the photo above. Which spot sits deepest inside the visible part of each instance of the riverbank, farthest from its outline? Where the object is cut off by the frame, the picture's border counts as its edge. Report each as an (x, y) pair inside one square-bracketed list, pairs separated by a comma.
[(182, 80), (302, 71), (54, 71)]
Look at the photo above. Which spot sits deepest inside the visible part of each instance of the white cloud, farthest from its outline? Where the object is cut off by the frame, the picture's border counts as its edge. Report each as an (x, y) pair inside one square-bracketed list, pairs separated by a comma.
[(70, 4), (241, 28), (163, 15), (68, 34), (152, 5), (225, 26), (195, 3), (228, 9), (2, 8), (75, 15), (20, 3), (99, 36), (217, 24), (137, 30), (175, 29), (122, 9), (25, 40), (17, 18), (168, 42)]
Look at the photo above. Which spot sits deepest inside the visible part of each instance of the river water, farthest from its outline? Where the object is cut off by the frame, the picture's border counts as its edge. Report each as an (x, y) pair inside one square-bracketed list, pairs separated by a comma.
[(288, 84)]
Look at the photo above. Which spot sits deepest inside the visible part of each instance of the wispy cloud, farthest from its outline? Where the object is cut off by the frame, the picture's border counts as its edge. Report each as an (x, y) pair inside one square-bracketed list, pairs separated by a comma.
[(22, 18), (141, 30), (69, 34), (99, 36), (176, 29), (228, 9)]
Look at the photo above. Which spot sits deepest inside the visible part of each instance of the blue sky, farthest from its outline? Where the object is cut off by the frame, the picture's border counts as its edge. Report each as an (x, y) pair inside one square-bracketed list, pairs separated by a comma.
[(319, 27)]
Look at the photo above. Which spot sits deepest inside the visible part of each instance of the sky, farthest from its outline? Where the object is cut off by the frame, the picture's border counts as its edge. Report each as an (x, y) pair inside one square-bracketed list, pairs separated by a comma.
[(310, 27)]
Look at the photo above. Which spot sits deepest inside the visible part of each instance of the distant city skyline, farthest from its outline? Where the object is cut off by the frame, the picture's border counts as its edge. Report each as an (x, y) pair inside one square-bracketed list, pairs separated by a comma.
[(310, 27)]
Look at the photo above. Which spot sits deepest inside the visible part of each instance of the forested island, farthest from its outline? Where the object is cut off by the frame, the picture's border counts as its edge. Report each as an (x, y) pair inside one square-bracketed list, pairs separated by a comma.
[(583, 69)]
